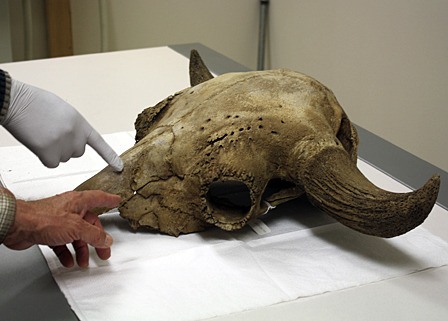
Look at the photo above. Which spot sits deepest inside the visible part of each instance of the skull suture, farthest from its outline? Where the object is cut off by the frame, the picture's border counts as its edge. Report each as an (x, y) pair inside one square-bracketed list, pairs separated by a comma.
[(275, 135)]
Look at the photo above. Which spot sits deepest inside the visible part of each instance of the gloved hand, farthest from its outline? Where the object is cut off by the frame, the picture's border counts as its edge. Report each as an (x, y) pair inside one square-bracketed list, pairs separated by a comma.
[(51, 128)]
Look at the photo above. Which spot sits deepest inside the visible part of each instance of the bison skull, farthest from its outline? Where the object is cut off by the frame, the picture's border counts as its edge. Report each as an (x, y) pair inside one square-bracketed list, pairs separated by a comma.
[(270, 135)]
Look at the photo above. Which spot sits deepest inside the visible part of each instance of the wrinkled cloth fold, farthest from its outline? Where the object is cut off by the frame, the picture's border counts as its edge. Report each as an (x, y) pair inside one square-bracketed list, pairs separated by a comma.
[(202, 275)]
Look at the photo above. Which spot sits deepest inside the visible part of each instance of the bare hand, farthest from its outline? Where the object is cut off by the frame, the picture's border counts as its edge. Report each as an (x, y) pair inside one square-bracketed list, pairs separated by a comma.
[(62, 219)]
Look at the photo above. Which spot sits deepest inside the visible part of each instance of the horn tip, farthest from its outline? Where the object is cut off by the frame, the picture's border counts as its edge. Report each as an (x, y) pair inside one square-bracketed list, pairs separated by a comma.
[(421, 203), (199, 72)]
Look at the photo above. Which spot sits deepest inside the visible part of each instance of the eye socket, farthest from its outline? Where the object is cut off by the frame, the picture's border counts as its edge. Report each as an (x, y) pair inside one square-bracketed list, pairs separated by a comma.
[(229, 200), (276, 185)]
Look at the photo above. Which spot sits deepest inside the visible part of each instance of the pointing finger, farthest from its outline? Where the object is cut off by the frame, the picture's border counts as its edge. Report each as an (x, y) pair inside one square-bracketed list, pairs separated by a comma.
[(105, 151), (86, 200)]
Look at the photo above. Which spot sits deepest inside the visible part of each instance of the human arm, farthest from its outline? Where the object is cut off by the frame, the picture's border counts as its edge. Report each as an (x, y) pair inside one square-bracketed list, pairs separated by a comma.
[(62, 219), (50, 127), (7, 211)]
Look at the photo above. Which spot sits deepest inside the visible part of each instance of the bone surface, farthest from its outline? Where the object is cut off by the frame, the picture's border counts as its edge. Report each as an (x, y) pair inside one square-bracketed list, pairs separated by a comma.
[(224, 150)]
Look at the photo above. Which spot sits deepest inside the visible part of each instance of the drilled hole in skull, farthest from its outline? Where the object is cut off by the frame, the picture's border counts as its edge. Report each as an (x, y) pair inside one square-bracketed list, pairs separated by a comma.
[(229, 200)]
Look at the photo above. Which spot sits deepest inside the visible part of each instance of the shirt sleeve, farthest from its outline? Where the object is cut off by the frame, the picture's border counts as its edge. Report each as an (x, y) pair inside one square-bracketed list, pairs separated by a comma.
[(7, 212), (7, 199), (5, 91)]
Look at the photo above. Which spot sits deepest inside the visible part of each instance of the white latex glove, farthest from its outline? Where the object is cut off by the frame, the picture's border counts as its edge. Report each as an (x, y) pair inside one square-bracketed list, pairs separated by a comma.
[(51, 128)]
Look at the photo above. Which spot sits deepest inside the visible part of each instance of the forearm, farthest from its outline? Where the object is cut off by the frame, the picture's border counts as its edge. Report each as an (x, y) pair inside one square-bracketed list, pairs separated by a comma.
[(5, 91), (7, 200), (7, 212)]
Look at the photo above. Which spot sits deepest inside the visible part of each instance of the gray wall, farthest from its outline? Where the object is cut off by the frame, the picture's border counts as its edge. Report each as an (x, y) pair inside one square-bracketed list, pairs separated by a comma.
[(386, 61)]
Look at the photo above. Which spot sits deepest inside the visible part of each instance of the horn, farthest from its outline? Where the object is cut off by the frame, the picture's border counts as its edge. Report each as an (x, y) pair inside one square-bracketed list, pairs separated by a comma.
[(111, 182), (334, 184), (198, 70)]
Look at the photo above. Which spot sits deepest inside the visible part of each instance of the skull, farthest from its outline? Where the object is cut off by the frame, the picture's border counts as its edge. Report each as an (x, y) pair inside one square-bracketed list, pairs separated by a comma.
[(224, 150)]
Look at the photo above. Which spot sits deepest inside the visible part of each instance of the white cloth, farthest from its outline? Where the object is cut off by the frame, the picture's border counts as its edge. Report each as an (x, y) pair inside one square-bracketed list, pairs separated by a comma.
[(158, 277)]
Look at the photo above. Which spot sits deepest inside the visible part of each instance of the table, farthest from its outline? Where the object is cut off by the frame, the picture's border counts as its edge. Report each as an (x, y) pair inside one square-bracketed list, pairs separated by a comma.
[(103, 87)]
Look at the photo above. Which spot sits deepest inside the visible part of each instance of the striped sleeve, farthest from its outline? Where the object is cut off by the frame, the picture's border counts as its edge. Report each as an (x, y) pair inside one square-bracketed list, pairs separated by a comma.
[(7, 212), (5, 91)]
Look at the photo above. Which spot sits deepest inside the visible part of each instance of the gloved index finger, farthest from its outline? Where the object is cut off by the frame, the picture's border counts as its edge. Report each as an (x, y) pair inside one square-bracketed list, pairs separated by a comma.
[(105, 151)]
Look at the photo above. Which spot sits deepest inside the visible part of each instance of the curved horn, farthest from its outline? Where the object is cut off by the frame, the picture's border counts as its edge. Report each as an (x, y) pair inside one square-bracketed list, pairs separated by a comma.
[(198, 70), (334, 184)]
